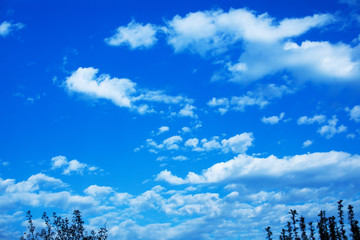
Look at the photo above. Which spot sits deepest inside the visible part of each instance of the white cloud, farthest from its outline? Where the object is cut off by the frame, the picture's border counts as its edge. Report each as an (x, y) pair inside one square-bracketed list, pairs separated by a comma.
[(180, 158), (211, 145), (307, 143), (311, 120), (192, 142), (273, 119), (267, 46), (260, 97), (215, 30), (135, 35), (7, 27), (322, 166), (32, 184), (95, 190), (163, 129), (355, 113), (70, 167), (185, 129), (58, 162), (238, 143), (351, 136), (329, 130), (171, 143), (121, 91), (188, 111)]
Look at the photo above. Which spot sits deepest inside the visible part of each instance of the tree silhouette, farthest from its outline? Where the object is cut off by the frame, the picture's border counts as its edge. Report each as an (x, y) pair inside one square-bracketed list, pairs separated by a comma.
[(61, 229), (328, 228)]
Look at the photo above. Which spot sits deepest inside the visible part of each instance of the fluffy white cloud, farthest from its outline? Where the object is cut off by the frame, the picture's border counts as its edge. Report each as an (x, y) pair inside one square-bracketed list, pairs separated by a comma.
[(135, 35), (203, 31), (307, 143), (70, 167), (311, 120), (171, 143), (267, 46), (329, 130), (7, 27), (322, 166), (163, 129), (32, 184), (355, 113), (210, 145), (238, 143), (192, 142), (273, 119), (95, 190), (121, 91), (188, 111)]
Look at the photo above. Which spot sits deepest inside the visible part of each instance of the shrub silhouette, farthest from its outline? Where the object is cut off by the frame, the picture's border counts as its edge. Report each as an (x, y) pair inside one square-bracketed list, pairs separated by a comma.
[(61, 229), (328, 228)]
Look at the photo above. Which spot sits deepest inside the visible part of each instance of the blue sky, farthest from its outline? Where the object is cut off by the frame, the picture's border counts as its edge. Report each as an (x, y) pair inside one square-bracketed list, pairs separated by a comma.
[(178, 120)]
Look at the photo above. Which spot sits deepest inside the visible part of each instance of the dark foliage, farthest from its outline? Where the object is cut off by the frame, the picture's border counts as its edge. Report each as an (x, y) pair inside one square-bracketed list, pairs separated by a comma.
[(61, 229), (328, 228)]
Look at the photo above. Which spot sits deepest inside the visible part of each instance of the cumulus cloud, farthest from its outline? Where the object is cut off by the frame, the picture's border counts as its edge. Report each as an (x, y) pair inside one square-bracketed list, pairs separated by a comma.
[(32, 184), (203, 31), (322, 166), (192, 142), (95, 190), (354, 113), (70, 167), (171, 143), (317, 61), (311, 120), (273, 119), (268, 45), (238, 143), (134, 35), (7, 27), (329, 130), (188, 111), (121, 91)]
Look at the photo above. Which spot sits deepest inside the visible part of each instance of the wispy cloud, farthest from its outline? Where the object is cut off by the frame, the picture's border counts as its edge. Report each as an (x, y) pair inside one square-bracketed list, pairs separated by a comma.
[(121, 91), (7, 27)]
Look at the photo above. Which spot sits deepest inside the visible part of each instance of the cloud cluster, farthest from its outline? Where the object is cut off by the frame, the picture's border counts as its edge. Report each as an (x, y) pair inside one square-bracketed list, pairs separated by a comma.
[(266, 45), (236, 144), (199, 213), (330, 129), (327, 129), (71, 167), (203, 31), (121, 91), (322, 166), (260, 97)]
